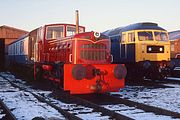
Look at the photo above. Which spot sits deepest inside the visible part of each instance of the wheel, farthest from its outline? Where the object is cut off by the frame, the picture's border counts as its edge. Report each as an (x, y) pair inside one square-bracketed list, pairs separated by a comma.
[(39, 73), (58, 72)]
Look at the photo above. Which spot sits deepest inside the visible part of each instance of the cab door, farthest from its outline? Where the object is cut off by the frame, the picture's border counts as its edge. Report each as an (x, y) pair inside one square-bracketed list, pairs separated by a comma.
[(123, 47)]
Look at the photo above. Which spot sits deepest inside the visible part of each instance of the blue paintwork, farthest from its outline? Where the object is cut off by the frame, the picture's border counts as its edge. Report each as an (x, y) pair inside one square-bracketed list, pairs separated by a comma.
[(136, 26), (115, 48), (21, 59), (131, 53), (125, 53), (122, 53)]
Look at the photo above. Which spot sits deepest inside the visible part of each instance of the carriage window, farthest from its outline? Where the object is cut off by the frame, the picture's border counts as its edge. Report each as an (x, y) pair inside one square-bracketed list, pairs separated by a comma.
[(131, 37), (21, 47), (145, 35), (55, 32), (161, 36), (71, 30)]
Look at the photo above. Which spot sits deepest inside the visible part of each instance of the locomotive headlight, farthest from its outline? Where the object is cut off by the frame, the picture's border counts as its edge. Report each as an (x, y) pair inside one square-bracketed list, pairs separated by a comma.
[(161, 49), (97, 34), (149, 49)]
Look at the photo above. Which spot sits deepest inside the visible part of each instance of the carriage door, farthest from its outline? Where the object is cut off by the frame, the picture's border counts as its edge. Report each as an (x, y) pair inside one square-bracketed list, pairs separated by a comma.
[(123, 46)]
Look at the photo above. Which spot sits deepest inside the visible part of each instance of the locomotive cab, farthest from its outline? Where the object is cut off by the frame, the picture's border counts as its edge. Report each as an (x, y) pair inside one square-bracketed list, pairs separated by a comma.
[(152, 45)]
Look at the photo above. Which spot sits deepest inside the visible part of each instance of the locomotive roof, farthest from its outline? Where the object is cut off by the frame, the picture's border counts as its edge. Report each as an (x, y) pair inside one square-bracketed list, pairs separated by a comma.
[(174, 35), (136, 26), (62, 24), (43, 26)]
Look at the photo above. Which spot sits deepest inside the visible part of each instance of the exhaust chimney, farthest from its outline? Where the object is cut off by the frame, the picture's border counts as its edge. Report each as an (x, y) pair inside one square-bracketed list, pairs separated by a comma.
[(77, 22)]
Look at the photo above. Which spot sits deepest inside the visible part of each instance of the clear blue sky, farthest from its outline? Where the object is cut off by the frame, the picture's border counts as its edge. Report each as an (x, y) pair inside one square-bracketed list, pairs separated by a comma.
[(97, 15)]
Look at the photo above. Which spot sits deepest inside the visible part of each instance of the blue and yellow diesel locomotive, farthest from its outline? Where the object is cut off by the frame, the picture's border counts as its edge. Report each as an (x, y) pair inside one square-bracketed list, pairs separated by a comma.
[(143, 47)]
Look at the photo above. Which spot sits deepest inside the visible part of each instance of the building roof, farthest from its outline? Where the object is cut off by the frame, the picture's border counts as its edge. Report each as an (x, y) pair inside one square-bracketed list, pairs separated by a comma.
[(8, 27)]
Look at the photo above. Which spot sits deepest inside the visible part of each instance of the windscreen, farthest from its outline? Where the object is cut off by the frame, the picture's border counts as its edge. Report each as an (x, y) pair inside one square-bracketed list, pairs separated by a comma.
[(55, 32), (161, 36), (71, 30), (145, 35)]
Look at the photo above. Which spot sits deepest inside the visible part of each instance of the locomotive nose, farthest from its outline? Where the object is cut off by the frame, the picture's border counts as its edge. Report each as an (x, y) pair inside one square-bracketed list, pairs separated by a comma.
[(120, 71)]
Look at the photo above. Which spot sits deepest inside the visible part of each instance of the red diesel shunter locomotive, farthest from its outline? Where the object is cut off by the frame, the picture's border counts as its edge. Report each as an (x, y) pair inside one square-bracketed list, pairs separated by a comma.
[(78, 61)]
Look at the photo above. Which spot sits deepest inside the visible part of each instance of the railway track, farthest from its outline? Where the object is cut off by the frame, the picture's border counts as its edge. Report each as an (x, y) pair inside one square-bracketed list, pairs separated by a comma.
[(60, 95), (122, 105), (66, 114), (153, 83), (79, 104), (172, 80), (102, 104), (5, 113)]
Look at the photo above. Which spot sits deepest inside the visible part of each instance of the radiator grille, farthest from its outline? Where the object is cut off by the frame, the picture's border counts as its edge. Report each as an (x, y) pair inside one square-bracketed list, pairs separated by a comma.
[(93, 52)]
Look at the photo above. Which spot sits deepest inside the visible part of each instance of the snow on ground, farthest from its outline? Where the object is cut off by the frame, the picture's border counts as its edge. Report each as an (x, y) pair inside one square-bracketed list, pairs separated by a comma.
[(136, 113), (173, 78), (177, 68), (26, 107), (23, 105), (85, 113), (166, 98), (22, 101), (1, 114)]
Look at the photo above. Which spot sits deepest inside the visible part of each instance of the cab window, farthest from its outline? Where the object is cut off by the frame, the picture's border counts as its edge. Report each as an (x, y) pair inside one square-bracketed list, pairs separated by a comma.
[(71, 30), (131, 37), (123, 38), (161, 36), (145, 35), (54, 32)]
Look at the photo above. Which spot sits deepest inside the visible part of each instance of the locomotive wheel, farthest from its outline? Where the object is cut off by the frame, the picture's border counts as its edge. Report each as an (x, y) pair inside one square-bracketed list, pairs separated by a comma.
[(134, 74), (58, 73), (39, 73), (153, 75), (29, 71)]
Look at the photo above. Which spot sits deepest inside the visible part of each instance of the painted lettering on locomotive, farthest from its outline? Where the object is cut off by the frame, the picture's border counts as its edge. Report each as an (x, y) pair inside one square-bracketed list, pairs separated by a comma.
[(78, 61), (144, 48)]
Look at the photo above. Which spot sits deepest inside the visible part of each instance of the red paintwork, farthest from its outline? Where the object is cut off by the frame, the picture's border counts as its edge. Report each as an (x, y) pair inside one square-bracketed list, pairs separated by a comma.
[(47, 67), (110, 83), (83, 48)]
